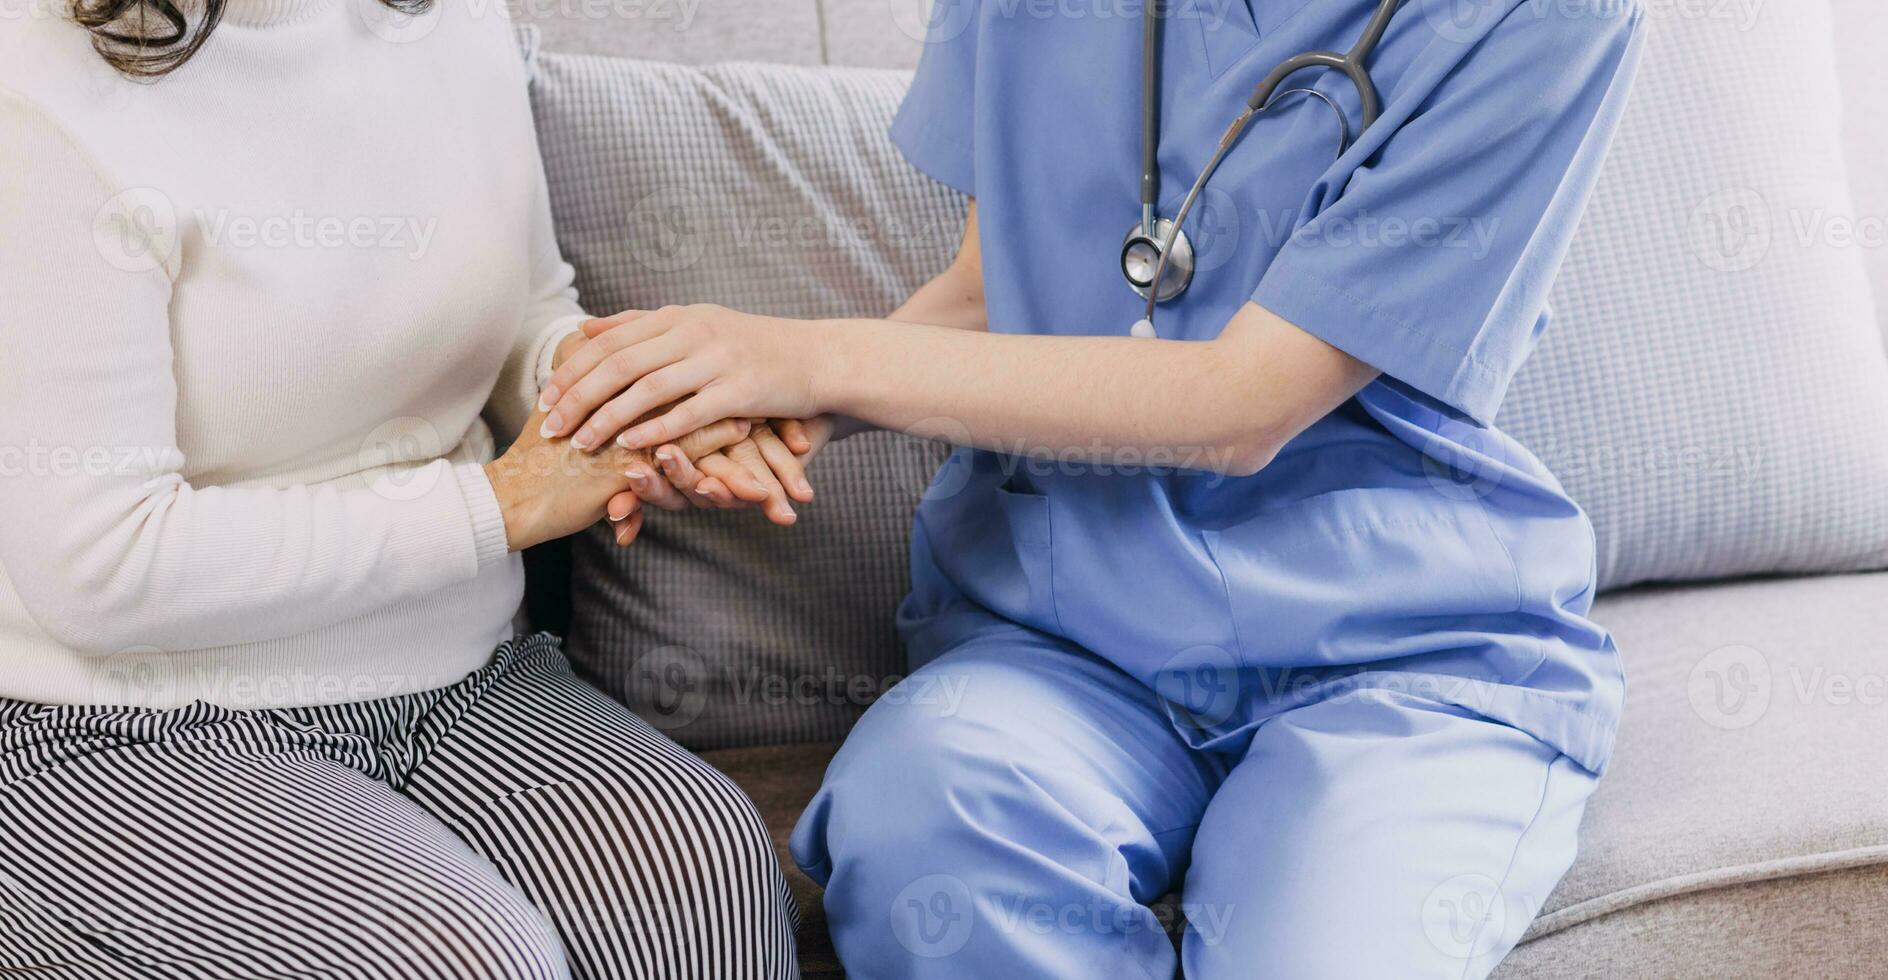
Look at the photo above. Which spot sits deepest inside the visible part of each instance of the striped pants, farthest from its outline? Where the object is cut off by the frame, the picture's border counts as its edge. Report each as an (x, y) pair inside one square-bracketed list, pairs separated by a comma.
[(517, 824)]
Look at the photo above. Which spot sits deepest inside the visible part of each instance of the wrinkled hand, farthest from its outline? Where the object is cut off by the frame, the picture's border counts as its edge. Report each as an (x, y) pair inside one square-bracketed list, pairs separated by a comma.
[(547, 488), (711, 363), (767, 470)]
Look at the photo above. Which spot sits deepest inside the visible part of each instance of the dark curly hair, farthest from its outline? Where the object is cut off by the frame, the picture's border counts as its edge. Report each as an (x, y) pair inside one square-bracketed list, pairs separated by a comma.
[(151, 38)]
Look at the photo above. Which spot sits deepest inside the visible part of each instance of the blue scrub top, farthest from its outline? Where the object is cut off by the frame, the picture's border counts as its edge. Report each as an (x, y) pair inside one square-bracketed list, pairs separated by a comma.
[(1403, 541)]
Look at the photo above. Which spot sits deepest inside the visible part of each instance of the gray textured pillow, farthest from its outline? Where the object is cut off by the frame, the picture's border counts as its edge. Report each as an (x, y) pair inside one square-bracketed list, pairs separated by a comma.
[(1713, 388), (773, 189)]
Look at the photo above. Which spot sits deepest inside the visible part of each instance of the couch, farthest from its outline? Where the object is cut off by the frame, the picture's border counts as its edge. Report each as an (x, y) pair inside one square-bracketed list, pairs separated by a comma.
[(1743, 828)]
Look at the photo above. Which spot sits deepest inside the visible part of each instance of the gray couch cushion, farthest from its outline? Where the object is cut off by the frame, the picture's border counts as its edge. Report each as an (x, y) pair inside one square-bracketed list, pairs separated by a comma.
[(763, 188), (1748, 778), (1713, 389)]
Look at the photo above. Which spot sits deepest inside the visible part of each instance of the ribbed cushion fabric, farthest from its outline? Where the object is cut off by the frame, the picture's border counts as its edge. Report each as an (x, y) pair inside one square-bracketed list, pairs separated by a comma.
[(1713, 388), (769, 189)]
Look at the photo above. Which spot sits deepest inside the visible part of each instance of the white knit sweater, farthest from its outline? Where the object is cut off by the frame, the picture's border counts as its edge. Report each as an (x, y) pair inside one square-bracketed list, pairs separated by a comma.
[(251, 317)]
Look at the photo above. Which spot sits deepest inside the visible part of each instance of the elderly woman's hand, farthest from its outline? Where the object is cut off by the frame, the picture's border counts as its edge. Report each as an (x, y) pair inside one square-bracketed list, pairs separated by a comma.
[(547, 488), (766, 470)]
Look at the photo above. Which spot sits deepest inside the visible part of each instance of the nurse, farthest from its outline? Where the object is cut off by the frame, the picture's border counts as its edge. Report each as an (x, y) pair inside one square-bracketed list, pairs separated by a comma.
[(1265, 613)]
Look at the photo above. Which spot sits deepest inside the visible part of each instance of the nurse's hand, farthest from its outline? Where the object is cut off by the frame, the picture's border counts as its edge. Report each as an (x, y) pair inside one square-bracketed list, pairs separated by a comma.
[(712, 363), (767, 469)]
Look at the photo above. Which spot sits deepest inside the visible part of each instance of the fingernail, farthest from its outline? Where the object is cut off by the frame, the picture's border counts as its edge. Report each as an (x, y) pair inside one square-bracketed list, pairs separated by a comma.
[(553, 423), (636, 473), (702, 490), (623, 441), (548, 398), (582, 439), (803, 487), (665, 456)]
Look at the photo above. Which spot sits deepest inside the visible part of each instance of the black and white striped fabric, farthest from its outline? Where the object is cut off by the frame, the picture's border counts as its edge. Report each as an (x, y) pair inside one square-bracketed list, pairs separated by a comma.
[(515, 825)]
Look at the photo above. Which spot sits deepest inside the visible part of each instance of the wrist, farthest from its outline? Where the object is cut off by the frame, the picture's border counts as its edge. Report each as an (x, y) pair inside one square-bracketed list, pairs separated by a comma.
[(835, 368), (511, 503)]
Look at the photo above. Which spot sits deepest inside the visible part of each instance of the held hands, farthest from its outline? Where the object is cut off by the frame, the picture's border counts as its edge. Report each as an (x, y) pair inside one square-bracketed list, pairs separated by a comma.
[(710, 363), (600, 375), (733, 463), (547, 488)]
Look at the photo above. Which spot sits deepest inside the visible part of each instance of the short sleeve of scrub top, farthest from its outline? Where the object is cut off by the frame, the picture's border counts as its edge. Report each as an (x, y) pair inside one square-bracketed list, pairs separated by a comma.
[(935, 125), (1489, 158), (1426, 250)]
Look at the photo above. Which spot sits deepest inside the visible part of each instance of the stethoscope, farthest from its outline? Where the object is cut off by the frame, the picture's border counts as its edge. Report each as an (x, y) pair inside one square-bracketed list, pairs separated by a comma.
[(1156, 250)]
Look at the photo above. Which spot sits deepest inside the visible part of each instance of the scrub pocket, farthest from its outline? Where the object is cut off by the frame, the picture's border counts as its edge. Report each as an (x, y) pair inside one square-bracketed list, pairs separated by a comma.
[(1231, 29), (1227, 28), (1364, 576), (992, 544)]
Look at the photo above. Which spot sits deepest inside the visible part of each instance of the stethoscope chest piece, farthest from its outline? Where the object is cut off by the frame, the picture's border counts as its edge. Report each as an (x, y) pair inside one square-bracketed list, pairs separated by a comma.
[(1140, 258)]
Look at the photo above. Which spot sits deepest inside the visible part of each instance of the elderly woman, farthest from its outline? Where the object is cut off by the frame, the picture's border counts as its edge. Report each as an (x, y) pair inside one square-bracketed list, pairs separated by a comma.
[(268, 267)]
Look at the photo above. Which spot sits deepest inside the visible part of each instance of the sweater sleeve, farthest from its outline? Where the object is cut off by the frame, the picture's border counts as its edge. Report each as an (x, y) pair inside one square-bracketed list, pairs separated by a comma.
[(551, 315), (106, 542)]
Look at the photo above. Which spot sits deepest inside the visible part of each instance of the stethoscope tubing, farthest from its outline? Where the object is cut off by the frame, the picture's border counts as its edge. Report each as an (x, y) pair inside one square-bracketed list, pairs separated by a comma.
[(1264, 96)]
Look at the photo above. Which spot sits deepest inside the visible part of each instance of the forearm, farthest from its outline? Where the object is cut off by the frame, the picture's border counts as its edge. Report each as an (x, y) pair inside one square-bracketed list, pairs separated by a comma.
[(952, 299), (1087, 398), (1226, 405)]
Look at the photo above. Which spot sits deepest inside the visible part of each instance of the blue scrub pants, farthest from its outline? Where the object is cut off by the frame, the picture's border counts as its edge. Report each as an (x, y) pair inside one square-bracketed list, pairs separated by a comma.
[(1012, 808)]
